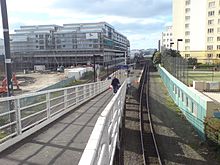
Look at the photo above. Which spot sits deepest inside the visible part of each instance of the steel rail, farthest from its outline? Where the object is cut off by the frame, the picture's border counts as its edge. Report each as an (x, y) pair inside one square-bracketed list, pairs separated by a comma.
[(141, 115), (145, 88), (150, 118)]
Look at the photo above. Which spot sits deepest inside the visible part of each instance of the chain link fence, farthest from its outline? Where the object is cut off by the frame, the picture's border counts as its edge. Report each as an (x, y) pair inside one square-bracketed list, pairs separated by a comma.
[(177, 66)]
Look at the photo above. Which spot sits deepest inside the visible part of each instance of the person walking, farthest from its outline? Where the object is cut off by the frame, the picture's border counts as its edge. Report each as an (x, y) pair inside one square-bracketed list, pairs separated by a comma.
[(115, 84)]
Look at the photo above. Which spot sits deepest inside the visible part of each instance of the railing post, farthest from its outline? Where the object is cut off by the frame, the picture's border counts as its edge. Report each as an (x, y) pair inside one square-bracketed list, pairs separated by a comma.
[(18, 117), (84, 92), (65, 98), (90, 90), (48, 104), (77, 94)]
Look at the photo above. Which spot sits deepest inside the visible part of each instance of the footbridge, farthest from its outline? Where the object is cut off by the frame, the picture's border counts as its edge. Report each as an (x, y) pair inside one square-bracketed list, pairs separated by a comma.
[(73, 125)]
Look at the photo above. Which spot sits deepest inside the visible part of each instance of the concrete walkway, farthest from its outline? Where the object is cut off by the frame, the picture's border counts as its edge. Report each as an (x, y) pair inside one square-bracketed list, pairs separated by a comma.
[(62, 142)]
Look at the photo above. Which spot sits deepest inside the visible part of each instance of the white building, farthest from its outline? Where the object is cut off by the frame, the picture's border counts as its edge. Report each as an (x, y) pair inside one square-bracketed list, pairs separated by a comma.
[(167, 39), (196, 29)]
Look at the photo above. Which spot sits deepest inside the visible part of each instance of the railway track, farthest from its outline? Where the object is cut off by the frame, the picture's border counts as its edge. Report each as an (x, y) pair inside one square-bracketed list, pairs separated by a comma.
[(150, 151)]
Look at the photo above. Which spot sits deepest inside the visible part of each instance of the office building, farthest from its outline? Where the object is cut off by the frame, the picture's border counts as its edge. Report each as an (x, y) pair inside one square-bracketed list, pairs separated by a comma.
[(68, 45)]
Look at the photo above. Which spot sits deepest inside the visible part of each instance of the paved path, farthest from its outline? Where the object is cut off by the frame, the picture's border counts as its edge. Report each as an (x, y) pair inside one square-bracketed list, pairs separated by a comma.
[(62, 142)]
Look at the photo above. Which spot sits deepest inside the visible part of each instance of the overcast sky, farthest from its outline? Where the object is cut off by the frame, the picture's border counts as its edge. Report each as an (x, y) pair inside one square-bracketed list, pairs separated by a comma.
[(142, 21)]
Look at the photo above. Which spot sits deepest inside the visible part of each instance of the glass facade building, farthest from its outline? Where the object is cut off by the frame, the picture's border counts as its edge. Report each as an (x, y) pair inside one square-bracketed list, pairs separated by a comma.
[(68, 45)]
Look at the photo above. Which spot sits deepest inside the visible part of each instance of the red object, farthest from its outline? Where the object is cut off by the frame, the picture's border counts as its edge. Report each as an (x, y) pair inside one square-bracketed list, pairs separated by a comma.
[(3, 88)]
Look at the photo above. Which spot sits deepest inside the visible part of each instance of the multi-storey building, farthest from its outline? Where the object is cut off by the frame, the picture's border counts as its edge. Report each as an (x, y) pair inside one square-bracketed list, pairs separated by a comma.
[(67, 45), (167, 39), (195, 29)]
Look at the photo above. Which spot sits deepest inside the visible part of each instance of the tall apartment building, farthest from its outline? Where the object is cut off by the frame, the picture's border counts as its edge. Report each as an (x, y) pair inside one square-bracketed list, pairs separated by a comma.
[(196, 29), (67, 45), (167, 39)]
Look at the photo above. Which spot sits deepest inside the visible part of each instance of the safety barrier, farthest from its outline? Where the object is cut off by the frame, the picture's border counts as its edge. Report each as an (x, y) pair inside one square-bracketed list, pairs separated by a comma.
[(21, 116), (194, 105), (102, 143)]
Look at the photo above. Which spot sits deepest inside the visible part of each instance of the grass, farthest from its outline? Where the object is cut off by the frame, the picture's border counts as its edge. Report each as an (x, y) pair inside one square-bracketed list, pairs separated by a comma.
[(203, 76), (168, 100)]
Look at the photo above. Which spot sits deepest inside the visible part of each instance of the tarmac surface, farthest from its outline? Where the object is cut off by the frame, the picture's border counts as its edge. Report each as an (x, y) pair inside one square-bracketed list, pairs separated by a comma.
[(61, 142)]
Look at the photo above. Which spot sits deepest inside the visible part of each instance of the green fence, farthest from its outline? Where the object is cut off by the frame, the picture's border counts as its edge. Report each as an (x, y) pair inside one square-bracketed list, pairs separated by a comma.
[(192, 103), (61, 84)]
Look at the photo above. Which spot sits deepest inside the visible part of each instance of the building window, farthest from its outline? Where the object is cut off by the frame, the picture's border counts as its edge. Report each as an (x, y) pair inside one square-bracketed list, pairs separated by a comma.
[(210, 47), (187, 33), (209, 55), (218, 47), (210, 39), (187, 18), (211, 22), (41, 41), (217, 55), (212, 4), (187, 40), (218, 38), (218, 30), (211, 30), (219, 12), (187, 2), (187, 55), (187, 10), (211, 13), (186, 26), (187, 47)]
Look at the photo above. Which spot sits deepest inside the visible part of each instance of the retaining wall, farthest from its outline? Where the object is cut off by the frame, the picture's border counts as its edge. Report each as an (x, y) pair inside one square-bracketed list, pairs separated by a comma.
[(194, 105)]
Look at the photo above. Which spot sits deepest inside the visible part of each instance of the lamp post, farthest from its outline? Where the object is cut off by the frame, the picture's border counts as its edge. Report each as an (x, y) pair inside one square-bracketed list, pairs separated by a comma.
[(171, 43), (115, 64), (125, 58), (7, 46), (94, 61), (178, 40)]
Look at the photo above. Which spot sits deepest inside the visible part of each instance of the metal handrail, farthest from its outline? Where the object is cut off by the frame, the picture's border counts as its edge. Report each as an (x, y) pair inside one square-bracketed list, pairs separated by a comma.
[(34, 104)]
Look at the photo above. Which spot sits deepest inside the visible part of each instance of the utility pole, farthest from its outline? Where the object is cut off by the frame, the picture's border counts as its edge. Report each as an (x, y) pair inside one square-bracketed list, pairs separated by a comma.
[(7, 46), (7, 59)]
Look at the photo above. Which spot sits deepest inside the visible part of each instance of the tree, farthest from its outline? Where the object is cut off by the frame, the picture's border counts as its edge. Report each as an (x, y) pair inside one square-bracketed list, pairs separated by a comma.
[(157, 58), (192, 61)]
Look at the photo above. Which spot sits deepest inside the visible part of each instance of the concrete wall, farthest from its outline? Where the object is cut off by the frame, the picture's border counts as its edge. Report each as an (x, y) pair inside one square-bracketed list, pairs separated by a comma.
[(194, 105)]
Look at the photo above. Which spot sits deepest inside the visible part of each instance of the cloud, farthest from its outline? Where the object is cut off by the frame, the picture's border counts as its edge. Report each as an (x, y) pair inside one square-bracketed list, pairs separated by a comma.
[(139, 20), (128, 8)]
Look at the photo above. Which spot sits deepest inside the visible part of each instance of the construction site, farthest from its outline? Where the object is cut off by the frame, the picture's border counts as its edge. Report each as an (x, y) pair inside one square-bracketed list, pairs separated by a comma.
[(37, 80)]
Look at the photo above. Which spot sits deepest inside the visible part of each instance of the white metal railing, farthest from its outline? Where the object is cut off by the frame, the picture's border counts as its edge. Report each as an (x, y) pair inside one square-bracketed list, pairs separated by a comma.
[(20, 116), (101, 146)]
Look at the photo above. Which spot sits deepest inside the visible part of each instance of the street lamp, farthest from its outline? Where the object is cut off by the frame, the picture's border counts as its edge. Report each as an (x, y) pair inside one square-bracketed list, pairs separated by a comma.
[(94, 57), (178, 40), (125, 58), (171, 43)]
